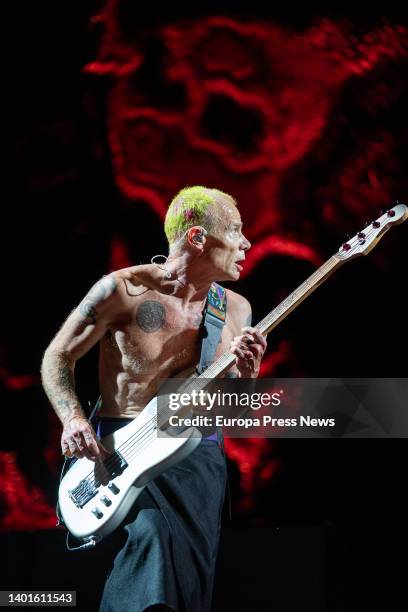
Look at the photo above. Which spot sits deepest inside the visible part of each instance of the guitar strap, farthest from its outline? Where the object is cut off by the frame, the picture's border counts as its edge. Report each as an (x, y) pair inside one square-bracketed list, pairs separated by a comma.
[(214, 321)]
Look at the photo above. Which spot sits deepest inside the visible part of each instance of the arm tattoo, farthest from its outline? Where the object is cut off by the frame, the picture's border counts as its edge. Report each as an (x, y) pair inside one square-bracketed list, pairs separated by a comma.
[(59, 385), (57, 369), (66, 377), (150, 316), (87, 311), (100, 291)]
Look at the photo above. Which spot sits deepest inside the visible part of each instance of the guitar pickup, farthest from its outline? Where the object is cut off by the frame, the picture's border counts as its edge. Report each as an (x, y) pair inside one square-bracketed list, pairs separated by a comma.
[(110, 468), (115, 464)]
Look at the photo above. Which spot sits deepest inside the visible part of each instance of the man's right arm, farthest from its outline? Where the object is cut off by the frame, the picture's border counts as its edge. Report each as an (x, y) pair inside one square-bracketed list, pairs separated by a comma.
[(84, 327)]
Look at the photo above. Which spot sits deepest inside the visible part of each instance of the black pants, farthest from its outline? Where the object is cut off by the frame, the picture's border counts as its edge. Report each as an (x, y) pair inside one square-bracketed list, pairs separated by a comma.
[(165, 551)]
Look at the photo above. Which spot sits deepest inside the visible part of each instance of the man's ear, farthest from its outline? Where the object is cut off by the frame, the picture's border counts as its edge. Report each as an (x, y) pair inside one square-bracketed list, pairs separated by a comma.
[(196, 235)]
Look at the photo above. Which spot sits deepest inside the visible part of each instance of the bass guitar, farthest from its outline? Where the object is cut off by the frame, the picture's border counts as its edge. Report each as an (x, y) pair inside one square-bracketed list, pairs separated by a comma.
[(94, 497)]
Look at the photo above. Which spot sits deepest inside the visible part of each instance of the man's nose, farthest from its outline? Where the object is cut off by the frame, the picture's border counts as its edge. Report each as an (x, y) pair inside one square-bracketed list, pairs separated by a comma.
[(245, 244)]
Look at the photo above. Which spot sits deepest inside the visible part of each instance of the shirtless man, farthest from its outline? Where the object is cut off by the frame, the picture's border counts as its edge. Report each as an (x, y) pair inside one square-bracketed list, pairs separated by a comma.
[(147, 319)]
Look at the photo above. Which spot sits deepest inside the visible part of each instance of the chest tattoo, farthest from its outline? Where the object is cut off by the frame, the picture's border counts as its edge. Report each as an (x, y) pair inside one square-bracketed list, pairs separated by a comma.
[(150, 316)]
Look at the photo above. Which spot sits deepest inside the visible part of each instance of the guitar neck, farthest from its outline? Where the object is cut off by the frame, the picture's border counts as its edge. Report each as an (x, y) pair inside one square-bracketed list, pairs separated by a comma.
[(298, 295), (279, 313)]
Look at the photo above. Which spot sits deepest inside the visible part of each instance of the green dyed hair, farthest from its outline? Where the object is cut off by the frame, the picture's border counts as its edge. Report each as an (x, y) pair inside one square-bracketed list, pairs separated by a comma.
[(193, 206)]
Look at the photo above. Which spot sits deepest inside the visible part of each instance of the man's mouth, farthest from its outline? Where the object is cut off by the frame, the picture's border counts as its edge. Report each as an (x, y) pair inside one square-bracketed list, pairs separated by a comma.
[(238, 264)]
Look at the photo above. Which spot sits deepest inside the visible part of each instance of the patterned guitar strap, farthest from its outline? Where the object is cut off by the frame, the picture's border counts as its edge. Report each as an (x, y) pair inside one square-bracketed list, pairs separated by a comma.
[(214, 321)]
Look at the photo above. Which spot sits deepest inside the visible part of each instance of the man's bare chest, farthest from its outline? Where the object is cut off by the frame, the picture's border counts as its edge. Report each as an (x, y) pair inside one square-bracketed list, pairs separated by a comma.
[(154, 336)]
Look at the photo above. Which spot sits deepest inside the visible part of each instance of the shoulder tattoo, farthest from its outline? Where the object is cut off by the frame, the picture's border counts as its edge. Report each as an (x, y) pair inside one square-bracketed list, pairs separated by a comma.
[(100, 291), (150, 316)]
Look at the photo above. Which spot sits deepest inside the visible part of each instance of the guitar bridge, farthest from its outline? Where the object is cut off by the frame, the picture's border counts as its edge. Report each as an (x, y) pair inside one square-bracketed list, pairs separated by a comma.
[(104, 472), (82, 493)]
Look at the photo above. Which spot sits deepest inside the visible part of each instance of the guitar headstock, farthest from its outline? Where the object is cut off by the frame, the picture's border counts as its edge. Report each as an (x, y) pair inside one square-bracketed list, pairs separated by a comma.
[(364, 241)]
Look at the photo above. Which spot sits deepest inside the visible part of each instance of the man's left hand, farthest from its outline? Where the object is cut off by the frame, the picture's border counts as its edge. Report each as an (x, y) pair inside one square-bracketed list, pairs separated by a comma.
[(248, 348)]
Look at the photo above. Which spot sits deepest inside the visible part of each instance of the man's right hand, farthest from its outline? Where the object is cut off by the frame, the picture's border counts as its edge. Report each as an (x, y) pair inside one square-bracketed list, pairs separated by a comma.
[(79, 440)]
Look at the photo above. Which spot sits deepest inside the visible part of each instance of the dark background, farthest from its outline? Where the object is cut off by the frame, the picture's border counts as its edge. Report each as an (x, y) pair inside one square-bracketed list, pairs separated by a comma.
[(300, 113)]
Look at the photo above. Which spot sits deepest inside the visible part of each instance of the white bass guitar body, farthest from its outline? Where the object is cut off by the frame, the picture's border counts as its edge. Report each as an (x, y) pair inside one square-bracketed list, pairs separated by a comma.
[(94, 497)]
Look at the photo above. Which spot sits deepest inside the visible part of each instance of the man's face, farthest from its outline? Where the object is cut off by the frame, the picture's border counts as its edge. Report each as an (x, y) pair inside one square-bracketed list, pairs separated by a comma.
[(228, 244)]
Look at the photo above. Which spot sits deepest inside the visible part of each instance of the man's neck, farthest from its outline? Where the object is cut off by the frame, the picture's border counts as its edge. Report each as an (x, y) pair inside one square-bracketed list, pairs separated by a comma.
[(190, 279)]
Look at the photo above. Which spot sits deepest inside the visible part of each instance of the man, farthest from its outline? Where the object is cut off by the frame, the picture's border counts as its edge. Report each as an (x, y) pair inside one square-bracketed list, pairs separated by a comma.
[(147, 319)]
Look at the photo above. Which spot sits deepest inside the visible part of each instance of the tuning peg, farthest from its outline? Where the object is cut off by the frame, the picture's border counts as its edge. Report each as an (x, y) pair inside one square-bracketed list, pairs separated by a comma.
[(391, 213), (376, 224)]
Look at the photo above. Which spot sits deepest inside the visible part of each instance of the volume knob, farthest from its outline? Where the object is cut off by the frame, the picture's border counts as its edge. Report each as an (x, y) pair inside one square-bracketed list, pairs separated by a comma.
[(97, 513)]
